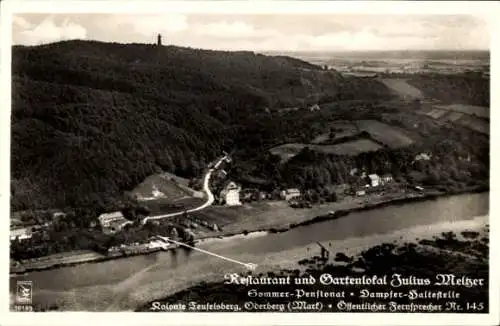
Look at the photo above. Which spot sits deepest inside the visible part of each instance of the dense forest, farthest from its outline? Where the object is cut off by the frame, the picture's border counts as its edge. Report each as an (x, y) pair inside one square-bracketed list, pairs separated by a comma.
[(460, 158), (92, 119)]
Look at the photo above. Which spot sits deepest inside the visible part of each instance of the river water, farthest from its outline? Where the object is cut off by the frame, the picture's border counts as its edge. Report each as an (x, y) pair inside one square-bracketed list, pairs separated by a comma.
[(125, 283)]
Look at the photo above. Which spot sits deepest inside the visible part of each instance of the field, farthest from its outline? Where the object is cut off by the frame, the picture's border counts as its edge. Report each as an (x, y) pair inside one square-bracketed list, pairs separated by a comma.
[(391, 136), (165, 186), (402, 88), (480, 111), (354, 147), (380, 132), (451, 116), (474, 123), (453, 89), (472, 117), (287, 151), (179, 180), (165, 206), (434, 113), (342, 129)]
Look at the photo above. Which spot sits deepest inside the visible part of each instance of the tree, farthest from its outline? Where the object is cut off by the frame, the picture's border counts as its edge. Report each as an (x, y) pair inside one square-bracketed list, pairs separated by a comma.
[(432, 178), (332, 197), (332, 133)]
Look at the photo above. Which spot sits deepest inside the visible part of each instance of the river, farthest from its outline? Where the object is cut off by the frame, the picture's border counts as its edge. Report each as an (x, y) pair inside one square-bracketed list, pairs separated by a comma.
[(125, 283)]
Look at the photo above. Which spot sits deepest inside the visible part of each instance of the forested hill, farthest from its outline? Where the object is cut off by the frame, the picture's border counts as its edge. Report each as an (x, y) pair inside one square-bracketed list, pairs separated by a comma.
[(91, 119)]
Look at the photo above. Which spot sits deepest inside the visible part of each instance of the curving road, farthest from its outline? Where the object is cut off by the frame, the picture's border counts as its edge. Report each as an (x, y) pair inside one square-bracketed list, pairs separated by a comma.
[(206, 188)]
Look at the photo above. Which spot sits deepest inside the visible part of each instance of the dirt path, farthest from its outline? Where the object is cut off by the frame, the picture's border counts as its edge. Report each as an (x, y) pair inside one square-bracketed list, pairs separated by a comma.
[(206, 188)]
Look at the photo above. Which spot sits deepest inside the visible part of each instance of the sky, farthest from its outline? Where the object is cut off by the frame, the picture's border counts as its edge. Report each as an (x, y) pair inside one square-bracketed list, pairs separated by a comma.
[(262, 32)]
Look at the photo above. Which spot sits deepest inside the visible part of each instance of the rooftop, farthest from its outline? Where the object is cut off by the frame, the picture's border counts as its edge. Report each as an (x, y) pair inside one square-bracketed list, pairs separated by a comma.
[(110, 216), (292, 190)]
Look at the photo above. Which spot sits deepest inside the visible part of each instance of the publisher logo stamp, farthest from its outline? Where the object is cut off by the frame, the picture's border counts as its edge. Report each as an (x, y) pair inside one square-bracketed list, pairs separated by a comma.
[(24, 292)]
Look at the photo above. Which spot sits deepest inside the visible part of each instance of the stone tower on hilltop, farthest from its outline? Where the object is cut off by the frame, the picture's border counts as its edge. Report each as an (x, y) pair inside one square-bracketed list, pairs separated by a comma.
[(159, 40)]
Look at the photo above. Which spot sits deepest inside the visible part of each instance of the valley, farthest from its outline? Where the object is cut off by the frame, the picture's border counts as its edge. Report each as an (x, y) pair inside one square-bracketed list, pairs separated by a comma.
[(142, 129)]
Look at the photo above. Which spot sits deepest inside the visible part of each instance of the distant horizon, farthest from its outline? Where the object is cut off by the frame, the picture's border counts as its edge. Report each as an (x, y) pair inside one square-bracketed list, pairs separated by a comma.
[(277, 51)]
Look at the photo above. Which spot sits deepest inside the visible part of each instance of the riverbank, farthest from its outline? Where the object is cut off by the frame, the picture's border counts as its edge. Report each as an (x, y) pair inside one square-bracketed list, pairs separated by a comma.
[(459, 248), (125, 284), (277, 223), (287, 219), (80, 257)]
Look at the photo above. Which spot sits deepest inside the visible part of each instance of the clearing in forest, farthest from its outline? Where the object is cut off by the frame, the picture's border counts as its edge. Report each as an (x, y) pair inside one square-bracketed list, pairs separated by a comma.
[(354, 147), (391, 136)]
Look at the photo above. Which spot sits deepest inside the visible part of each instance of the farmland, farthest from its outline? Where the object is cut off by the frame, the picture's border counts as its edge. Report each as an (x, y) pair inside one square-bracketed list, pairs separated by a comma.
[(451, 116), (166, 206), (474, 123), (480, 111), (402, 88), (469, 116), (287, 151), (353, 147), (452, 89), (331, 142), (389, 135), (340, 129), (434, 113), (167, 186)]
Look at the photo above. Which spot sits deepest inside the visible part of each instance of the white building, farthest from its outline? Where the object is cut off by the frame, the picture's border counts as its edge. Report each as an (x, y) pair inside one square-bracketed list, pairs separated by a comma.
[(58, 215), (386, 178), (20, 234), (423, 157), (290, 193), (230, 195), (157, 193), (113, 222), (360, 193), (374, 180), (315, 107)]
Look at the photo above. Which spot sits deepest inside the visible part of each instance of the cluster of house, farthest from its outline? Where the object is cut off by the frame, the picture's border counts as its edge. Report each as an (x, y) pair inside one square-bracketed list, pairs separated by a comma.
[(110, 222), (22, 233), (234, 195), (422, 157), (312, 108), (373, 182)]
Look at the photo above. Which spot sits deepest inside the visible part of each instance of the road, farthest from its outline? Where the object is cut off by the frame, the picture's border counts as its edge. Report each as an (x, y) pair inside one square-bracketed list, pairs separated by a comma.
[(206, 189)]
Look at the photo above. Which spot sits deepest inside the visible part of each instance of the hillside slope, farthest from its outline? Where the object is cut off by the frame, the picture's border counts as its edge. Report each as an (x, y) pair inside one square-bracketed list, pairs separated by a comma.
[(92, 119)]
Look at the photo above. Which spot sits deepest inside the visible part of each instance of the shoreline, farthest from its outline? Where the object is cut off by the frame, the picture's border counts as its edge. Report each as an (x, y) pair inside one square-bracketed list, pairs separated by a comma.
[(20, 270), (345, 212)]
